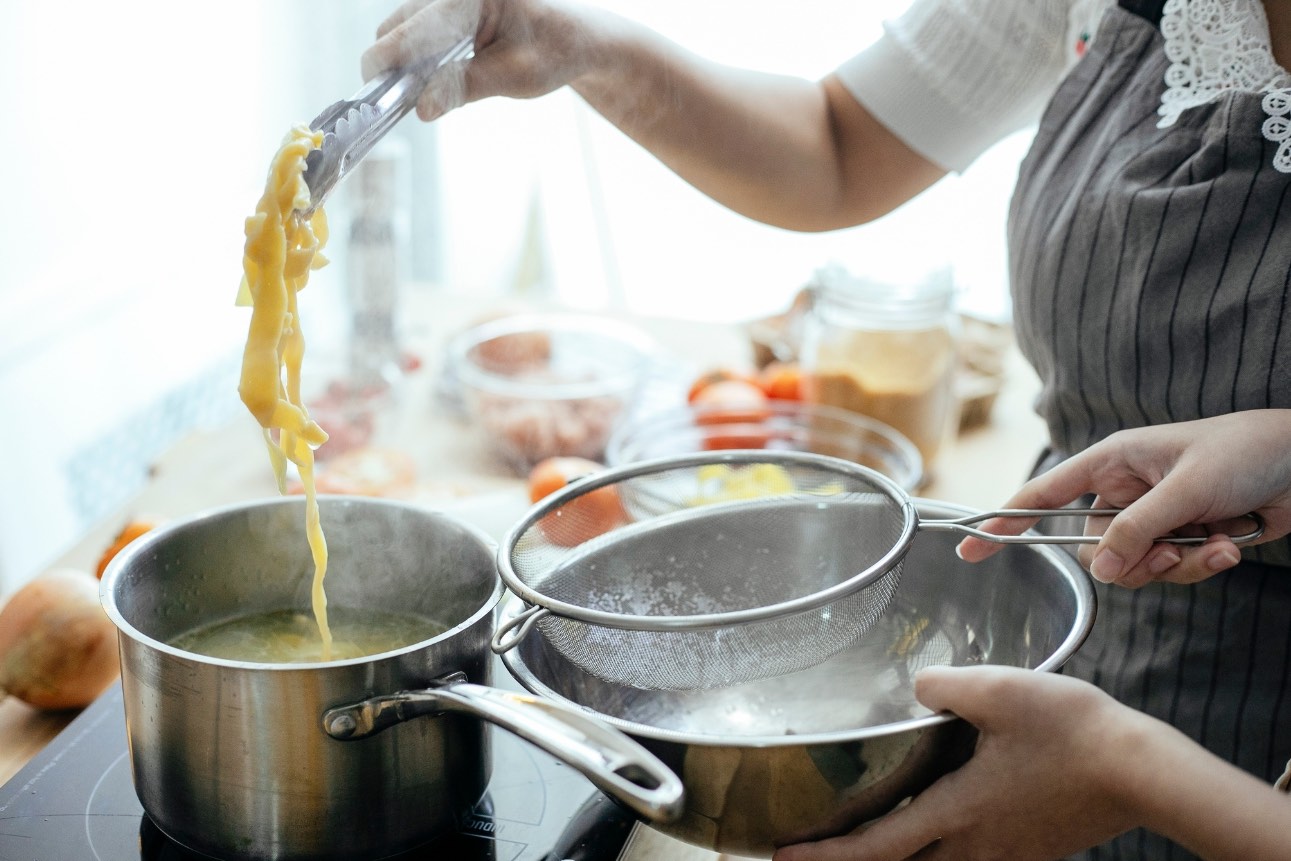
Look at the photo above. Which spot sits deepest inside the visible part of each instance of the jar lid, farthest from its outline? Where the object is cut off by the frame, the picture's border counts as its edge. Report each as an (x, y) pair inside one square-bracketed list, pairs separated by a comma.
[(927, 298)]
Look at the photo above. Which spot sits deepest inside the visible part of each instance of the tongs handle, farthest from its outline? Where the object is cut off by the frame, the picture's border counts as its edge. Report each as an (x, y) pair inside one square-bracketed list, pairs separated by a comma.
[(966, 526), (352, 127)]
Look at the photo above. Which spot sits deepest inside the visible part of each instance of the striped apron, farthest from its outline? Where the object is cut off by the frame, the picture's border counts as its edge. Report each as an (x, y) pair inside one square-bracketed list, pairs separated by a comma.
[(1150, 273)]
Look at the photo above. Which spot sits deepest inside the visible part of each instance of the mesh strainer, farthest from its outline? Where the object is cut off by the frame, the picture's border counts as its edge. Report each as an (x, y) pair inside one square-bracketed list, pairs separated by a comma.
[(717, 568)]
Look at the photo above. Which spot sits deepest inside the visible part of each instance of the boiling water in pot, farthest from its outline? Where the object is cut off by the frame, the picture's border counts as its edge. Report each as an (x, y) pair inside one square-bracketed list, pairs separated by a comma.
[(291, 637)]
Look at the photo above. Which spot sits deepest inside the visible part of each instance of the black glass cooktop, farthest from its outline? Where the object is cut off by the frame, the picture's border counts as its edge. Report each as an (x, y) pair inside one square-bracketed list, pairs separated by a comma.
[(75, 802)]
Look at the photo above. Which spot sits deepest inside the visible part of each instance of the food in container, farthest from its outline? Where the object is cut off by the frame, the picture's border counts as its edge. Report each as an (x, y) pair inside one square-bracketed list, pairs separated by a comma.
[(546, 385), (289, 636), (887, 351), (358, 757)]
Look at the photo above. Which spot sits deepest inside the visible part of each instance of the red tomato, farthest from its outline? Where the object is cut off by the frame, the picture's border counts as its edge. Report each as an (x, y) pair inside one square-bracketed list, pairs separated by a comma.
[(550, 475), (583, 517), (132, 530), (719, 440), (731, 400), (718, 375), (737, 403), (782, 381)]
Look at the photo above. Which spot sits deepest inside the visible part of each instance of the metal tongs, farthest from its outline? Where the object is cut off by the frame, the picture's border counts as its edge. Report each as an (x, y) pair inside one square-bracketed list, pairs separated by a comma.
[(351, 127)]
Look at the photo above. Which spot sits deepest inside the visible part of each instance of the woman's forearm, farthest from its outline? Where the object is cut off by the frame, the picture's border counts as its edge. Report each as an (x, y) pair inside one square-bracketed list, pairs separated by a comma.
[(1207, 805), (794, 153), (787, 151)]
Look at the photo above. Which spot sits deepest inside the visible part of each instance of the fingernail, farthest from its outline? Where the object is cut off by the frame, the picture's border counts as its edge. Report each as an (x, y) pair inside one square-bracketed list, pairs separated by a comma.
[(1106, 567), (1224, 560), (1163, 562), (959, 551)]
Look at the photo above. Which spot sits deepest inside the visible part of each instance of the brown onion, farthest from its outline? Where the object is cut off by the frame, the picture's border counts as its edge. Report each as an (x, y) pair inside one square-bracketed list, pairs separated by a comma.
[(58, 648)]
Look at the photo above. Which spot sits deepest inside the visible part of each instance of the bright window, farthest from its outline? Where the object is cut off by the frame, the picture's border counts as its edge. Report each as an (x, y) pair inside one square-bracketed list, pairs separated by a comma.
[(140, 133), (619, 229)]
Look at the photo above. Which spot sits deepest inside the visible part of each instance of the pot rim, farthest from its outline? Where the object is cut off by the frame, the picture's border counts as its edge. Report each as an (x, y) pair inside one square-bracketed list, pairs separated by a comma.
[(1081, 626), (146, 542)]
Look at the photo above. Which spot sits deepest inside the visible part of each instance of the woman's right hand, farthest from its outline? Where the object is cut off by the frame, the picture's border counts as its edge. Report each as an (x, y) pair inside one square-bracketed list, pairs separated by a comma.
[(1198, 477), (785, 150), (523, 48)]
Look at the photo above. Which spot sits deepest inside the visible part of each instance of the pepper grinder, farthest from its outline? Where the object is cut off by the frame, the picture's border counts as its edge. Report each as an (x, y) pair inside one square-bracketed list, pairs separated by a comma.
[(376, 269)]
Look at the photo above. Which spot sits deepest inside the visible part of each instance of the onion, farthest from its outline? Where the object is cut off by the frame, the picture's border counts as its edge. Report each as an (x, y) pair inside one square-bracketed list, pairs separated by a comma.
[(58, 648)]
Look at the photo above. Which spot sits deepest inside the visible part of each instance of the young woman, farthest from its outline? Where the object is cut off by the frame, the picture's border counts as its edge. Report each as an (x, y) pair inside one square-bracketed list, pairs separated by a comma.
[(1149, 259)]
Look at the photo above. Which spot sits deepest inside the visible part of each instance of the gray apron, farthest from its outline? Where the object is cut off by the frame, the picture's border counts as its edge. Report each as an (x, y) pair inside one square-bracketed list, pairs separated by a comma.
[(1150, 269)]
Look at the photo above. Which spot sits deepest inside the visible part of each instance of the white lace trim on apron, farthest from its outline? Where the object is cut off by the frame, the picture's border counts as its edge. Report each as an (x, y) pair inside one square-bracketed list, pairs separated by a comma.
[(1219, 45)]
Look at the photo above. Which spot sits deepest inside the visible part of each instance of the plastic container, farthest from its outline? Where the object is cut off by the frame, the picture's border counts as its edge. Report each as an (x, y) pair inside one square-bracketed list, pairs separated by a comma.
[(780, 425), (541, 385)]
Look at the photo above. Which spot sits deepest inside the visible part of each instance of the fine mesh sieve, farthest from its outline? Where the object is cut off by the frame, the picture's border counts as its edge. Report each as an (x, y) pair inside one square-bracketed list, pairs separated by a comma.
[(717, 568)]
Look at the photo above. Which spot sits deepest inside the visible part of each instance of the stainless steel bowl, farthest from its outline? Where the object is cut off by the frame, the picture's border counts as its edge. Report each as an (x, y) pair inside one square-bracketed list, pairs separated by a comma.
[(817, 752)]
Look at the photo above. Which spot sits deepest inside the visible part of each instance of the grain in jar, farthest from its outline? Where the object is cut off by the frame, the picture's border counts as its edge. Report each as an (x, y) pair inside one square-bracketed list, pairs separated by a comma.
[(886, 351)]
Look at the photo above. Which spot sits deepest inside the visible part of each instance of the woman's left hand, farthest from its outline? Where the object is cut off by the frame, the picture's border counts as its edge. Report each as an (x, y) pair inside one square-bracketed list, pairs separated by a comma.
[(1049, 776)]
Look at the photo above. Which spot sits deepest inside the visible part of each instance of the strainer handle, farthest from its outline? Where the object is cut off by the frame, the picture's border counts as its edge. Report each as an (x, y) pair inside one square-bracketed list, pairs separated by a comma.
[(507, 637), (966, 526)]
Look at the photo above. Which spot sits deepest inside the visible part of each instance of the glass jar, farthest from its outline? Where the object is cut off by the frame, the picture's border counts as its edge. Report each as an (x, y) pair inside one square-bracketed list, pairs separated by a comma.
[(886, 351)]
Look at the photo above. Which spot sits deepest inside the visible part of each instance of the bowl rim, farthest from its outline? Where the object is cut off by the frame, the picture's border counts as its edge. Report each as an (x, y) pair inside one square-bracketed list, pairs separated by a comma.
[(469, 374), (617, 453)]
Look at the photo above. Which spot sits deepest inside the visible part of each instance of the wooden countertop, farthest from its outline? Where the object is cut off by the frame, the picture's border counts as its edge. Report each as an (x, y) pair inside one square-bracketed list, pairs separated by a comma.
[(979, 468)]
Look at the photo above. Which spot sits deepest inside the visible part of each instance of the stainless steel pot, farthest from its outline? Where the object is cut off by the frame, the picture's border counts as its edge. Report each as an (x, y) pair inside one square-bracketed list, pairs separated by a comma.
[(814, 753), (321, 761)]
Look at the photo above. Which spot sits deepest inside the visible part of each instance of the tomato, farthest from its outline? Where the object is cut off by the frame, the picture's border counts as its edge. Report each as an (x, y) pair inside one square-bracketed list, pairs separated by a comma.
[(132, 530), (719, 440), (584, 517), (742, 406), (782, 381), (729, 401), (718, 375), (550, 475)]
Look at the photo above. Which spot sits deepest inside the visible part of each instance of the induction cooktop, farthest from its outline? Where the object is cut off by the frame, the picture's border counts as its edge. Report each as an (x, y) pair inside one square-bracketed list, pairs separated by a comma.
[(75, 801)]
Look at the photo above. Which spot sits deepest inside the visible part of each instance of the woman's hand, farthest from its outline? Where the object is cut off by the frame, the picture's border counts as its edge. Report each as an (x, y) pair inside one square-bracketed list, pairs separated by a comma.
[(1046, 778), (1061, 766), (1195, 478), (523, 48)]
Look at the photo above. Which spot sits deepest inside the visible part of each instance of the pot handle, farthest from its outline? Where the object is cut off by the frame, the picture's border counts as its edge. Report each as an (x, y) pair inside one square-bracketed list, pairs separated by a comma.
[(607, 757)]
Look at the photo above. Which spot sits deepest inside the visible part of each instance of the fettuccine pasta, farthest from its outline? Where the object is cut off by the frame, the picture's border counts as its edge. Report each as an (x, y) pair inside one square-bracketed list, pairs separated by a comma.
[(282, 248)]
